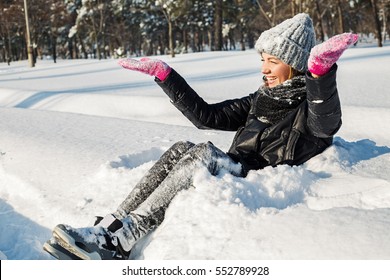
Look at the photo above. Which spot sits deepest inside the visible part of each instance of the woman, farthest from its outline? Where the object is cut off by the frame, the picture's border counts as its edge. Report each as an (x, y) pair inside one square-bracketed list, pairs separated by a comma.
[(288, 120)]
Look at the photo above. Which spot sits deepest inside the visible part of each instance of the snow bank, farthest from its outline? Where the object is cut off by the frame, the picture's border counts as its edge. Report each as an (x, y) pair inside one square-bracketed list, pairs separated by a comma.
[(76, 137)]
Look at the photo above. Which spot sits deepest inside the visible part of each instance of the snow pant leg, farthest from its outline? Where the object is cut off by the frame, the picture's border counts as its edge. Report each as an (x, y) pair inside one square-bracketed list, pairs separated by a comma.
[(151, 212), (153, 178)]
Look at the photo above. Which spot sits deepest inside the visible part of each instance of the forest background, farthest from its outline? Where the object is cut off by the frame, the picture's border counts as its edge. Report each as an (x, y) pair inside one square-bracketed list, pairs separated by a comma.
[(81, 29)]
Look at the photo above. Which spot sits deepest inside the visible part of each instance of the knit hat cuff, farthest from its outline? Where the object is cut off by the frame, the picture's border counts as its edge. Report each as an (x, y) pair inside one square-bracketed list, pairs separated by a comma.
[(294, 55)]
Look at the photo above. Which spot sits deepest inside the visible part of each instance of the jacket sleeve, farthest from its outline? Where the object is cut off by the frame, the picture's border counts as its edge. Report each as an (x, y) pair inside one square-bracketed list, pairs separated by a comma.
[(227, 115), (324, 109)]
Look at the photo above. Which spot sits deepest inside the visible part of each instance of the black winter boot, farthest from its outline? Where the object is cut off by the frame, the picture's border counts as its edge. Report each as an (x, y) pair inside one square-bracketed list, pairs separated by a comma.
[(101, 242), (53, 247)]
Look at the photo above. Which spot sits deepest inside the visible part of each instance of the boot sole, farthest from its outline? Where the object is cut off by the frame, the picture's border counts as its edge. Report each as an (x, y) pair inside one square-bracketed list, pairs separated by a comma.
[(70, 245), (58, 251)]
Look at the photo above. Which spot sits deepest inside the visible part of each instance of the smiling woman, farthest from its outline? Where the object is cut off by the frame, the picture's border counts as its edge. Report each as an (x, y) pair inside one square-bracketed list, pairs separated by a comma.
[(280, 123)]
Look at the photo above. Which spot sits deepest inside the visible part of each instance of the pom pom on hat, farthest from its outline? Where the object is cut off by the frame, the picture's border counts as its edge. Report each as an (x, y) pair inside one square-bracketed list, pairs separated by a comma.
[(290, 41)]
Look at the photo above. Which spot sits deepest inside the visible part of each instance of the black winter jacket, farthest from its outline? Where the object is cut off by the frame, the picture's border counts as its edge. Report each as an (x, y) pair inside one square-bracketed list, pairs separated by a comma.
[(303, 133)]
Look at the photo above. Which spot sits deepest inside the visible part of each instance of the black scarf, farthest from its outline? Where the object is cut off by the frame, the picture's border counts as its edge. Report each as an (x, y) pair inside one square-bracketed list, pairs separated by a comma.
[(273, 104)]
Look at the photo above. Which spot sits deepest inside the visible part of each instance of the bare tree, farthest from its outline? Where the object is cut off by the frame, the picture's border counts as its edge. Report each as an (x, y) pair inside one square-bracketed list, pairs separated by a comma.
[(340, 16), (132, 27), (319, 14), (173, 11), (264, 13), (377, 22), (218, 25)]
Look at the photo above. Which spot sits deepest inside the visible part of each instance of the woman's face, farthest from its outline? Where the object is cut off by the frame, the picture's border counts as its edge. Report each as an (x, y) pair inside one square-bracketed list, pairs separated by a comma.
[(274, 70)]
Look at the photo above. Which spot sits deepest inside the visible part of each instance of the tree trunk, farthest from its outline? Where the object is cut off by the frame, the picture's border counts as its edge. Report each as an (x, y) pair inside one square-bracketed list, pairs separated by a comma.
[(98, 55), (340, 14), (242, 41), (218, 25), (264, 13), (83, 50), (274, 13), (384, 24), (319, 14), (210, 39), (377, 23), (9, 59), (54, 48), (70, 48), (185, 40), (292, 8), (170, 35)]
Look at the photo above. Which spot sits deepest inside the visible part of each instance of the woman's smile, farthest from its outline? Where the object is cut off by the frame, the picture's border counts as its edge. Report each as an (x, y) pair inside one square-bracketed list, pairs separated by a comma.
[(271, 80)]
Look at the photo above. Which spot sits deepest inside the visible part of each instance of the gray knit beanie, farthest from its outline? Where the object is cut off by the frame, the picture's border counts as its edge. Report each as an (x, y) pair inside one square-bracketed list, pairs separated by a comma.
[(290, 41)]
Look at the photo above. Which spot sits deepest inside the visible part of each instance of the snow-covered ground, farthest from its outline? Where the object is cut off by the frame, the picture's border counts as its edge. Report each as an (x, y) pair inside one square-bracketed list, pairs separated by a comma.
[(76, 136)]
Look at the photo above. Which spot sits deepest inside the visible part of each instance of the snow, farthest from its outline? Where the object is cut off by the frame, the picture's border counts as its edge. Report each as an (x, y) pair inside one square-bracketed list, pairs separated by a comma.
[(76, 136)]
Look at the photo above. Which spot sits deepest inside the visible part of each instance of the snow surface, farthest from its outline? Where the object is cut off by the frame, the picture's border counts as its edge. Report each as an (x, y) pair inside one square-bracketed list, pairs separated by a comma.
[(76, 136)]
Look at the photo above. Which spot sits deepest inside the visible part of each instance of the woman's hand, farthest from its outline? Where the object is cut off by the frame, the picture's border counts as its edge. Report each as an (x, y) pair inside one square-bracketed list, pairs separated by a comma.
[(153, 67), (324, 55)]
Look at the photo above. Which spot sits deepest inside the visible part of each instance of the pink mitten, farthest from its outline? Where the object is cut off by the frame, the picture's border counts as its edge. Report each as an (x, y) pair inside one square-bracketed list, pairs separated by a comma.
[(153, 67), (324, 55)]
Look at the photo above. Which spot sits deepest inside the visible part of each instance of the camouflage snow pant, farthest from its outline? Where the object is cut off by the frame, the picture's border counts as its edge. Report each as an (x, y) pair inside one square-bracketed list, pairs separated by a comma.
[(145, 206)]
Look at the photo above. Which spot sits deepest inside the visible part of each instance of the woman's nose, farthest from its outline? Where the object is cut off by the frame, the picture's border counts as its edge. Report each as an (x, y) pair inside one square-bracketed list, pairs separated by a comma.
[(264, 68)]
